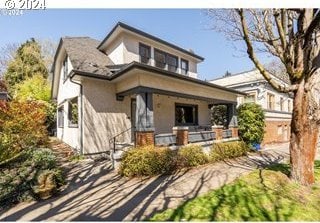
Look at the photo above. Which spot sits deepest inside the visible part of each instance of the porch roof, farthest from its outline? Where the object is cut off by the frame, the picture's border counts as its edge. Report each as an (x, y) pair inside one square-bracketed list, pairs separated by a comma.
[(136, 66), (139, 89)]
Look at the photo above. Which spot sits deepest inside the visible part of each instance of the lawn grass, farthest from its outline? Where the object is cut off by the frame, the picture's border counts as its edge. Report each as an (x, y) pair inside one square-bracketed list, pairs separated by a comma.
[(263, 195)]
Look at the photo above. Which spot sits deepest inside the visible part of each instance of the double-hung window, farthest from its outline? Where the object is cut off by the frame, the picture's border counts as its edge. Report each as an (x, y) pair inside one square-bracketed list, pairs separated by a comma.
[(172, 63), (160, 59), (145, 53), (184, 67), (60, 117), (73, 112)]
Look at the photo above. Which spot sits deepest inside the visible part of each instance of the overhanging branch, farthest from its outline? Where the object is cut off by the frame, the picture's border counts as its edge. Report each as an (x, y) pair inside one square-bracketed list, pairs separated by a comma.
[(258, 65)]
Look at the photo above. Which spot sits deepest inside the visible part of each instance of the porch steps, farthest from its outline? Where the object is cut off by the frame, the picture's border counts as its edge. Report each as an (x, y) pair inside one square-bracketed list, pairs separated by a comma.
[(120, 149)]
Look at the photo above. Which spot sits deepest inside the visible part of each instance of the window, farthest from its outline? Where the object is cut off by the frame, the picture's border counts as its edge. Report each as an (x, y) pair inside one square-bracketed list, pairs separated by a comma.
[(73, 112), (145, 53), (289, 106), (250, 98), (65, 68), (172, 63), (60, 117), (186, 114), (281, 104), (160, 58), (270, 101), (184, 66)]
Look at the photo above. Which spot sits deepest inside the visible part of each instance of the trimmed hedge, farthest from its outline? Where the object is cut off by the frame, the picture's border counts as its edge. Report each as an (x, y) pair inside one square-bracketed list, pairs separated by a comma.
[(150, 160), (226, 150), (147, 161), (192, 155)]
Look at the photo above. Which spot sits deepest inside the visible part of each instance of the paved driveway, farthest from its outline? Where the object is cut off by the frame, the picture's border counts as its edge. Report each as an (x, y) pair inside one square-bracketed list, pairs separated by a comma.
[(95, 192)]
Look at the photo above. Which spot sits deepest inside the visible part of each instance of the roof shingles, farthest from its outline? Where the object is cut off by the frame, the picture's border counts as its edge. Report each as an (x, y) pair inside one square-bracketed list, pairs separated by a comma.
[(85, 56)]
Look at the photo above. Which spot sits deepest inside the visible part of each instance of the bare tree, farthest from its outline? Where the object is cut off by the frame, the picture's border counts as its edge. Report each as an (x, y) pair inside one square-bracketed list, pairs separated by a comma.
[(292, 36), (7, 53)]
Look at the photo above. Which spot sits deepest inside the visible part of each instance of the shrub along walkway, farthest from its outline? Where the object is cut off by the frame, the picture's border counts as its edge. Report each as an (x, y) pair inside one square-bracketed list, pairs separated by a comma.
[(95, 192)]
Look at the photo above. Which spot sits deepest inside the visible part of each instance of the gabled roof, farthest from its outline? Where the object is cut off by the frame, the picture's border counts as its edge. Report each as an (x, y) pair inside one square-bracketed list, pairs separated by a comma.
[(85, 56), (147, 35)]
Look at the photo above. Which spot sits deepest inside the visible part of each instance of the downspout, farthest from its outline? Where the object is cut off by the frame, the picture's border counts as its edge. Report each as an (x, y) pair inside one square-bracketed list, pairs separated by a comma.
[(81, 114)]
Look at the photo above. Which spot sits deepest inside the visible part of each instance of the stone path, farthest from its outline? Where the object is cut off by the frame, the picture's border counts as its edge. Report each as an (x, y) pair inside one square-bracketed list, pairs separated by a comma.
[(96, 193)]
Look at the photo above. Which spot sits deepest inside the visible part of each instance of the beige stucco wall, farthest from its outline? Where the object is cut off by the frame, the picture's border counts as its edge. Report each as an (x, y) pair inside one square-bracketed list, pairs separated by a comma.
[(164, 112), (115, 51), (125, 49), (172, 84), (104, 116), (68, 90)]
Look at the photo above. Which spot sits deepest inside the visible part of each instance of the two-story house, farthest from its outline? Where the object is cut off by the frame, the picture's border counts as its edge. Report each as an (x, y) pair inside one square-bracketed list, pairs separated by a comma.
[(130, 87), (277, 106)]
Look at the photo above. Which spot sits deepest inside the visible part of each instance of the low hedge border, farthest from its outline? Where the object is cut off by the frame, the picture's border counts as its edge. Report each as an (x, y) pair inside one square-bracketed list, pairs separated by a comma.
[(150, 160)]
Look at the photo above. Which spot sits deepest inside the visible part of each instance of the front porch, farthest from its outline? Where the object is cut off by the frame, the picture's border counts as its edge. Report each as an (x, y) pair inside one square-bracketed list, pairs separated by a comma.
[(166, 118)]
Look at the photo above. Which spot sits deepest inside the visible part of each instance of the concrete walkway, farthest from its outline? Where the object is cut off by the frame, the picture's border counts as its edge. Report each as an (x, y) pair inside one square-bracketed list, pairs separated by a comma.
[(96, 193)]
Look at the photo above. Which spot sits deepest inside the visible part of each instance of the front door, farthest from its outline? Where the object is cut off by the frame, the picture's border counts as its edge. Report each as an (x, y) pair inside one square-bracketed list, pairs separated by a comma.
[(133, 116)]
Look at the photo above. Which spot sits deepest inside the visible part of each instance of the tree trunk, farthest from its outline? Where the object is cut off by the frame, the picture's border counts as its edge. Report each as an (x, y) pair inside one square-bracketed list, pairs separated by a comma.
[(304, 138)]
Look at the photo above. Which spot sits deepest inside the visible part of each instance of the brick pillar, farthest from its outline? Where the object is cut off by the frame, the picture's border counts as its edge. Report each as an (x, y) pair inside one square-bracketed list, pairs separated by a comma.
[(234, 130), (182, 133), (218, 130), (144, 138)]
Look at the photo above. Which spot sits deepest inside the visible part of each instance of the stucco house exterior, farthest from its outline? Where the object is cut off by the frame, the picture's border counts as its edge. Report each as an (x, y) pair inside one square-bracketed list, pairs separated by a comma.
[(132, 88), (277, 106)]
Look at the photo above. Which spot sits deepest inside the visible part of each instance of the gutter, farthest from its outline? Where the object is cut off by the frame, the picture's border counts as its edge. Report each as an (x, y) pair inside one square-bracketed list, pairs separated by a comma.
[(81, 113)]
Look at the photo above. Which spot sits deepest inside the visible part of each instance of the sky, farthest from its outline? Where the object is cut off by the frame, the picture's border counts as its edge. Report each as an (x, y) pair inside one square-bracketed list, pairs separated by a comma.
[(187, 28)]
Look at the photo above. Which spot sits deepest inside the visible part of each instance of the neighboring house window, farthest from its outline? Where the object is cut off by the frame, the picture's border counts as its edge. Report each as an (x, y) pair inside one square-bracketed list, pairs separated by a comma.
[(145, 53), (65, 68), (60, 117), (172, 63), (281, 104), (184, 66), (160, 59), (289, 106), (73, 112), (250, 98), (270, 101), (186, 114)]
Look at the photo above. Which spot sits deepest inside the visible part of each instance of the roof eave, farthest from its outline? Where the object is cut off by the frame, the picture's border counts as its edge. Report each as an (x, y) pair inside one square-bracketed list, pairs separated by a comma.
[(147, 35)]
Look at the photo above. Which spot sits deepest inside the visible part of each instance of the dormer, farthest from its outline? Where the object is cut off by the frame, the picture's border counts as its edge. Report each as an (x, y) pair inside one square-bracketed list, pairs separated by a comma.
[(125, 44)]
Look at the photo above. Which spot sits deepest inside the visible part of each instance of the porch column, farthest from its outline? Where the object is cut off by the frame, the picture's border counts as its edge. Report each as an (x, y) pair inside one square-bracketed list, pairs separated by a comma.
[(144, 119), (232, 119)]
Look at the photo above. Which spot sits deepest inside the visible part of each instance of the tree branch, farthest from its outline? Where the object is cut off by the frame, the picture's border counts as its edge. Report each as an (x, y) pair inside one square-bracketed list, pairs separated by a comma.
[(256, 62)]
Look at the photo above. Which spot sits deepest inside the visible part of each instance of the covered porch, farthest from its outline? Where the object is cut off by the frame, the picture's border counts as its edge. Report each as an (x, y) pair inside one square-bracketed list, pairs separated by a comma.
[(166, 118)]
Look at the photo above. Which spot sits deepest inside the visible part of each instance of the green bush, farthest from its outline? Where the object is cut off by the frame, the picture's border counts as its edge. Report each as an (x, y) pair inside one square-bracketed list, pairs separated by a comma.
[(226, 150), (251, 123), (22, 126), (147, 161), (33, 172), (192, 155)]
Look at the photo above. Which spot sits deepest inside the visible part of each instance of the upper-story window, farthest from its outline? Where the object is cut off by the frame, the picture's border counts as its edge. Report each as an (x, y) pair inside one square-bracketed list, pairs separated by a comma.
[(270, 101), (172, 63), (65, 68), (145, 53), (250, 98), (289, 106), (281, 104), (160, 58), (184, 66)]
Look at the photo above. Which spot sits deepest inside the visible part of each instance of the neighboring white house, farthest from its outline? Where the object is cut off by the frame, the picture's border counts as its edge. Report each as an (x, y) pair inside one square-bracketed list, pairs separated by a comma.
[(131, 86), (277, 106)]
